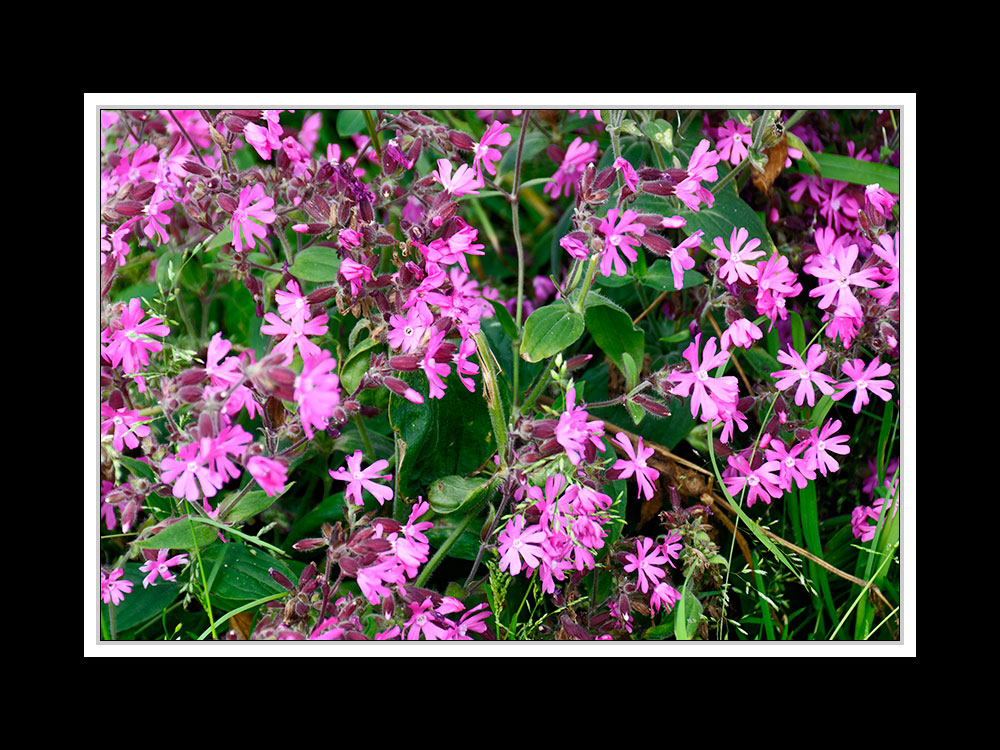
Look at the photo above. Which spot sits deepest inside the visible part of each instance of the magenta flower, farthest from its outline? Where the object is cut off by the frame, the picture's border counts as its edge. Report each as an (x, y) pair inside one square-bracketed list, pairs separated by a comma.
[(672, 547), (121, 421), (741, 333), (761, 483), (317, 391), (838, 207), (358, 479), (156, 210), (880, 198), (574, 247), (137, 167), (824, 441), (474, 620), (295, 334), (251, 216), (464, 182), (221, 373), (646, 564), (803, 373), (485, 153), (517, 543), (264, 140), (628, 173), (839, 279), (160, 567), (130, 343), (355, 273), (291, 302), (407, 333), (189, 470), (573, 430), (887, 248), (863, 380), (681, 260), (701, 168), (733, 138), (737, 257), (433, 369), (422, 621), (636, 464), (620, 234), (793, 465), (465, 367), (270, 474), (708, 393), (114, 587), (664, 595), (577, 156)]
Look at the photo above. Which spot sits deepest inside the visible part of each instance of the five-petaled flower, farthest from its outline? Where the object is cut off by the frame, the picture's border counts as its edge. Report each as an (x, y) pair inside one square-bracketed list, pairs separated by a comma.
[(358, 478), (160, 567), (250, 216), (636, 464)]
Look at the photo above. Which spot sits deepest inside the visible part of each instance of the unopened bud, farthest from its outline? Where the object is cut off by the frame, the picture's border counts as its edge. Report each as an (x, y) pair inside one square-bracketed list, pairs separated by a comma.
[(191, 376), (460, 140), (189, 393), (226, 203), (655, 243), (653, 407), (307, 544), (143, 191), (604, 178), (657, 187), (404, 362), (128, 208)]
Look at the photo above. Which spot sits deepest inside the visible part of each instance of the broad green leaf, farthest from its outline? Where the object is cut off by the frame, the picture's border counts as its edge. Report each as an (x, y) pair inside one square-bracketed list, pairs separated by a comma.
[(356, 364), (450, 494), (466, 547), (660, 131), (225, 237), (319, 264), (550, 329), (728, 212), (855, 171), (253, 503), (687, 613), (243, 575), (762, 362), (141, 604), (503, 316), (184, 534), (659, 276), (614, 333), (350, 121), (138, 468)]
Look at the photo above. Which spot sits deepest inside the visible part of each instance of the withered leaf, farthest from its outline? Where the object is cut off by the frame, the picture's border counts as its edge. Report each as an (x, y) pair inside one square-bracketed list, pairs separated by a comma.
[(776, 156)]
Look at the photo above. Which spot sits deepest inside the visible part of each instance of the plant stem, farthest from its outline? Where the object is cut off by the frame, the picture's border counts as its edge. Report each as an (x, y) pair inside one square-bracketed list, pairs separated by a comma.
[(515, 197)]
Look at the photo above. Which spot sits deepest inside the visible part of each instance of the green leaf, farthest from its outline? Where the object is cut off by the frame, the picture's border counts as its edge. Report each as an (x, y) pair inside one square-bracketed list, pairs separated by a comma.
[(350, 121), (357, 364), (728, 212), (225, 237), (184, 534), (614, 333), (440, 437), (855, 171), (761, 361), (138, 468), (319, 264), (550, 329), (687, 614), (660, 276), (243, 575), (661, 132), (450, 494), (253, 503), (141, 604), (503, 316)]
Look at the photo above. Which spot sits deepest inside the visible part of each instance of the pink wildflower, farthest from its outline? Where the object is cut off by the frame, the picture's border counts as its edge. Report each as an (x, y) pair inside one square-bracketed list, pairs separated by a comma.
[(517, 543), (647, 565), (628, 173), (804, 373), (114, 587), (121, 421), (485, 153), (701, 168), (156, 210), (839, 279), (680, 259), (733, 139), (880, 198), (838, 207), (577, 156), (433, 369), (708, 392), (887, 248), (741, 333), (421, 622), (358, 479), (131, 344), (291, 302), (737, 257), (270, 474), (160, 567), (664, 595), (822, 442), (295, 334), (636, 464), (793, 467), (251, 216), (672, 547), (355, 273), (573, 430), (863, 380), (464, 181), (619, 234), (761, 483), (317, 391), (189, 470)]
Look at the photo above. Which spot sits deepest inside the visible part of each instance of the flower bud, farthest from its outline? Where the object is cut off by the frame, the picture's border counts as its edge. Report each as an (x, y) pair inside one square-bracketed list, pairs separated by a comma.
[(143, 191), (281, 579), (128, 208), (226, 203), (653, 407), (658, 187), (460, 140), (604, 178), (400, 388), (191, 376), (404, 362), (655, 243), (189, 393), (307, 544), (349, 566)]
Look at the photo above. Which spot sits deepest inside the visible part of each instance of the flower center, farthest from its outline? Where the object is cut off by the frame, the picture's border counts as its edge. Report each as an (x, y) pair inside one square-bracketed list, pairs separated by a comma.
[(804, 374), (821, 445), (862, 385), (790, 462), (517, 544), (702, 375), (753, 481)]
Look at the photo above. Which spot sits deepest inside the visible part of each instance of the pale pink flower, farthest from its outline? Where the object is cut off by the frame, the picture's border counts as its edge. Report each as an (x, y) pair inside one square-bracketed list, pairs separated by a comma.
[(737, 257), (664, 595), (793, 465), (881, 199), (804, 373), (221, 373), (137, 167), (160, 567), (155, 210), (250, 217), (130, 344), (517, 544), (189, 470), (620, 234), (680, 258), (485, 153), (864, 379), (295, 334), (358, 479), (464, 182), (114, 587), (433, 369), (265, 140), (270, 474), (291, 302), (839, 279), (422, 621), (636, 464), (701, 168), (839, 208), (317, 391), (741, 333)]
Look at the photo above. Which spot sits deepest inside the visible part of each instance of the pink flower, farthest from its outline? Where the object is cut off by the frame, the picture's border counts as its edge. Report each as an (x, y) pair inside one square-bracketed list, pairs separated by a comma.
[(463, 366), (160, 567), (733, 140), (355, 272), (672, 547), (664, 595), (433, 369), (573, 430), (250, 216), (122, 421), (863, 380), (155, 210), (708, 392), (464, 181), (761, 483), (680, 260), (887, 248), (137, 167), (803, 373), (265, 140), (130, 343), (574, 247), (645, 564), (358, 478), (224, 374), (741, 333), (291, 302), (839, 208), (485, 154), (295, 334), (422, 622), (114, 587), (628, 173), (737, 256), (619, 234), (793, 466), (840, 279), (517, 543), (881, 199), (636, 464), (317, 391), (823, 442), (701, 168), (270, 474), (474, 620), (189, 470), (577, 156)]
